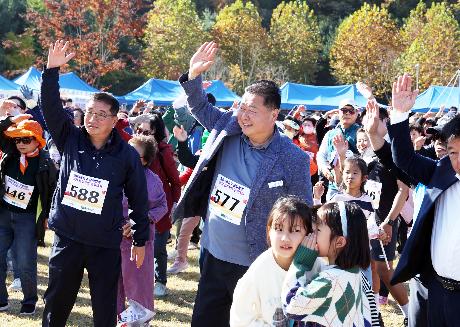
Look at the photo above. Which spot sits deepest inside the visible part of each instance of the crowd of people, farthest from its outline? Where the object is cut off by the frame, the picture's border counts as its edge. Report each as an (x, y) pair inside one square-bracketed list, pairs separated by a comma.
[(299, 216)]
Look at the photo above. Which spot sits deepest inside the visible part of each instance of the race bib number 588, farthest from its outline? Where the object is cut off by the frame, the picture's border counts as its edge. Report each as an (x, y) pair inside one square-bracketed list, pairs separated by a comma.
[(229, 199), (85, 193)]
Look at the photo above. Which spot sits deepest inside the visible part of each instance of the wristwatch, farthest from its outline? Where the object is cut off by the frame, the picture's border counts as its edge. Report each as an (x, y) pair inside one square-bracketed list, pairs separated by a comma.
[(390, 222)]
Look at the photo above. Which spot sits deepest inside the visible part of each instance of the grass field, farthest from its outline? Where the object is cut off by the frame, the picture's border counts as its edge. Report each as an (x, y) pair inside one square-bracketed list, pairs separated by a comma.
[(174, 310)]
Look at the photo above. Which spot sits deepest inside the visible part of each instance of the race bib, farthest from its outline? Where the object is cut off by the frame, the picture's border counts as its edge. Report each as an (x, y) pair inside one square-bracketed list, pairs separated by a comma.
[(85, 193), (16, 193), (229, 199), (374, 190)]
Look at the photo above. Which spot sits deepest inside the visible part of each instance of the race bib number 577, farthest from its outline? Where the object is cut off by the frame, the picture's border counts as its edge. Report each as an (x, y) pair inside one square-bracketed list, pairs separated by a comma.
[(85, 193), (229, 199)]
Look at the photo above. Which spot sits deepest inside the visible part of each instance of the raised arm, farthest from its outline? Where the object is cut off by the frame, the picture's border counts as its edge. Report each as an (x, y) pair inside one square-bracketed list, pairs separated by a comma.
[(201, 109), (59, 123), (403, 98)]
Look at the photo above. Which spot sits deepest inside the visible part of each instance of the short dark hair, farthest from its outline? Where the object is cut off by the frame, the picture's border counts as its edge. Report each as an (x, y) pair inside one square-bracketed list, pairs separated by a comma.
[(383, 113), (360, 163), (148, 143), (211, 98), (451, 130), (107, 99), (157, 125), (267, 90), (22, 103), (356, 252), (310, 119), (292, 207), (416, 127)]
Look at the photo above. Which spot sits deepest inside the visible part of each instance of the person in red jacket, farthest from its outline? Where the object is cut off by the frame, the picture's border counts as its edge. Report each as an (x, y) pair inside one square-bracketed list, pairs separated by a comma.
[(165, 167)]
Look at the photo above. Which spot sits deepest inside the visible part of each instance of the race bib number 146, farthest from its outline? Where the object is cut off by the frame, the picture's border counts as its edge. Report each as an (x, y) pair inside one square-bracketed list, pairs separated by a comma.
[(85, 193)]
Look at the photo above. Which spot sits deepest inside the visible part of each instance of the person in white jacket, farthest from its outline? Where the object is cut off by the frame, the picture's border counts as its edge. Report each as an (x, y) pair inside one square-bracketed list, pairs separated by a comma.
[(257, 296)]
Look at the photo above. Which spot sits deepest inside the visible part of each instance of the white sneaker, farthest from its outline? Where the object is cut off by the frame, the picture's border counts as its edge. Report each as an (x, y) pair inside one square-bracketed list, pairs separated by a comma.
[(172, 255), (15, 285), (193, 246), (177, 267), (160, 290)]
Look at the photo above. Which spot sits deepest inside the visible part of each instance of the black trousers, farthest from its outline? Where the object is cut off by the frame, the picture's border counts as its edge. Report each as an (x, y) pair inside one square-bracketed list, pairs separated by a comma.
[(68, 260), (418, 312), (215, 291), (443, 305)]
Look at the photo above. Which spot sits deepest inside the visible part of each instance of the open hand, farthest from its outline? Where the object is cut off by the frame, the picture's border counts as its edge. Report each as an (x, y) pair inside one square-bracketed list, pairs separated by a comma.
[(318, 190), (340, 144), (26, 92), (365, 90), (180, 133), (19, 118), (203, 59), (419, 142), (403, 97), (372, 118), (57, 54)]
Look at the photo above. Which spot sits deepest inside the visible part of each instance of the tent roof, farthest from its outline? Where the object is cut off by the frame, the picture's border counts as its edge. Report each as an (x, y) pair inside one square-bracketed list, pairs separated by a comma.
[(435, 96), (223, 95), (162, 92), (318, 97), (7, 85), (71, 81), (32, 78), (68, 81)]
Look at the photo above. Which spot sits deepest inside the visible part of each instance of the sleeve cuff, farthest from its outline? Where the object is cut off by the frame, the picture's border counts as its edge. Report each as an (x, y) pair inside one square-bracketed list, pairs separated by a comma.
[(51, 71), (139, 243), (398, 117), (305, 257), (191, 85), (316, 202)]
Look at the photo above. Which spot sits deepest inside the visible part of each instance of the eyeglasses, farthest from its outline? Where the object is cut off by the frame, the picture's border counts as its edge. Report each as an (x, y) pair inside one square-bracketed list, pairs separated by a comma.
[(98, 115), (245, 109), (145, 132), (347, 111), (24, 140)]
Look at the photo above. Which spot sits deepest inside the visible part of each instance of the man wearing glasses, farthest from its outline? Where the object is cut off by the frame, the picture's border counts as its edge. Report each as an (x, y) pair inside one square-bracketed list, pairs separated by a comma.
[(86, 215), (327, 156)]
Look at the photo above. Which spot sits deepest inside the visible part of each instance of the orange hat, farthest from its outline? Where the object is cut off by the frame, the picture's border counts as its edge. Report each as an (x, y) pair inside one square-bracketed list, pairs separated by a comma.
[(27, 128)]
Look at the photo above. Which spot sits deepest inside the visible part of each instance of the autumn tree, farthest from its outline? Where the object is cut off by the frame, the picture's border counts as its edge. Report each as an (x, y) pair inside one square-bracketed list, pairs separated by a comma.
[(433, 43), (365, 48), (295, 40), (173, 34), (243, 42), (95, 28)]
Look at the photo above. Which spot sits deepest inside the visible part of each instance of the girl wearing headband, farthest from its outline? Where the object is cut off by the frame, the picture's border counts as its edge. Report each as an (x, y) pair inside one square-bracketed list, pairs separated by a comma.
[(339, 295)]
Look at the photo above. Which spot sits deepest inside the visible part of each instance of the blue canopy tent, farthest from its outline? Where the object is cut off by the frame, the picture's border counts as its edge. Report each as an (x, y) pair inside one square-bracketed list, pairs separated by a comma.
[(318, 97), (161, 92), (8, 88), (223, 95), (32, 78), (164, 92), (435, 96), (71, 81)]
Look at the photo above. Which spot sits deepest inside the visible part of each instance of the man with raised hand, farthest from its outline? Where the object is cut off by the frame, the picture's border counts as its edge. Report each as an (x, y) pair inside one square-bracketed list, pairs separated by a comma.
[(433, 248), (86, 214), (246, 165)]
